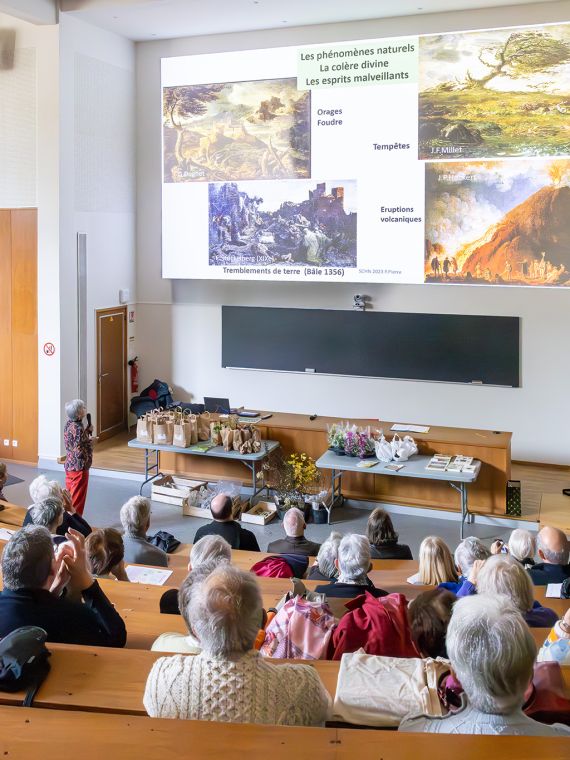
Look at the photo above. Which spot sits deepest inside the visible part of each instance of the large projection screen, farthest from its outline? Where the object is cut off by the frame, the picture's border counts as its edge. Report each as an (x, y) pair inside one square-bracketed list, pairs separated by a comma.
[(439, 159)]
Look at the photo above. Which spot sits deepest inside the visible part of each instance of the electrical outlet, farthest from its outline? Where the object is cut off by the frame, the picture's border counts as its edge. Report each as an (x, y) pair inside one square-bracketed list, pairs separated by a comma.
[(15, 444), (6, 442)]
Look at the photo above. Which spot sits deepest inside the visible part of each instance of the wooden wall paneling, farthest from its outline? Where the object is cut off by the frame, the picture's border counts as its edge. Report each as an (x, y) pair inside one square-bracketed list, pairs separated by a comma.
[(6, 333), (25, 334)]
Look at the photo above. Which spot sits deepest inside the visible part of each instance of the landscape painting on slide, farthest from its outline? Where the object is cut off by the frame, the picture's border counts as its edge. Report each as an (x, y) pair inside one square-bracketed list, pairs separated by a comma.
[(238, 130), (294, 223), (498, 222), (495, 93)]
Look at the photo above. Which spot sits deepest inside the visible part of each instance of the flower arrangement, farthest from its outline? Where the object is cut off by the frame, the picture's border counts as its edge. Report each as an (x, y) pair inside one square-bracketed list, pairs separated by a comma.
[(292, 478), (304, 472), (350, 440)]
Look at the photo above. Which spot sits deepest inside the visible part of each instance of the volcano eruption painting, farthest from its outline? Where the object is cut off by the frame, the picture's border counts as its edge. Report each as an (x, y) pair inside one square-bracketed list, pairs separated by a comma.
[(498, 223)]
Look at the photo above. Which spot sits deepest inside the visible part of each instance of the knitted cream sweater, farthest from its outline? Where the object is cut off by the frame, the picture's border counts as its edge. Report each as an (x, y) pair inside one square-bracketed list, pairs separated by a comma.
[(245, 690)]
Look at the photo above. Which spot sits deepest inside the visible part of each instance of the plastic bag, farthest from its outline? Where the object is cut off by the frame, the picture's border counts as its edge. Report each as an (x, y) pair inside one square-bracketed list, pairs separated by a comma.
[(405, 449), (383, 449)]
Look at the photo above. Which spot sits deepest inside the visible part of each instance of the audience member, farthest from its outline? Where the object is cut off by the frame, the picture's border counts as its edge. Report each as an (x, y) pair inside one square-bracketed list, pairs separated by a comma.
[(41, 488), (466, 553), (135, 519), (553, 550), (383, 538), (556, 647), (429, 614), (492, 653), (34, 578), (106, 554), (522, 546), (226, 681), (353, 563), (79, 453), (49, 514), (3, 480), (435, 562), (325, 568), (225, 526), (208, 550), (294, 542), (503, 575)]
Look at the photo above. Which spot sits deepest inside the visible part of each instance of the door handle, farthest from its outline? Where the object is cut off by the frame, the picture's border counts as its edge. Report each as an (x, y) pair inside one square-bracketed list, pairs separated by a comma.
[(104, 374)]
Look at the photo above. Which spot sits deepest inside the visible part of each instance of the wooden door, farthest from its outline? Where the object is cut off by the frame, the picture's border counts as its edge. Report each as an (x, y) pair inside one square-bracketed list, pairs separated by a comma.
[(6, 334), (111, 371)]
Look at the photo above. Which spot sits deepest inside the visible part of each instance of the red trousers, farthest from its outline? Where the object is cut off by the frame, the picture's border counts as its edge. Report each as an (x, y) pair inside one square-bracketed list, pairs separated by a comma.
[(76, 482)]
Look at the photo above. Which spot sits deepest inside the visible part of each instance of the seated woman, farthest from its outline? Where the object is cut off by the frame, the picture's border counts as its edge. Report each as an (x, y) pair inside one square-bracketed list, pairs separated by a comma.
[(49, 514), (325, 568), (42, 488), (502, 574), (226, 680), (106, 554), (522, 546), (135, 519), (492, 653), (435, 562), (353, 564), (429, 614), (383, 538), (556, 648)]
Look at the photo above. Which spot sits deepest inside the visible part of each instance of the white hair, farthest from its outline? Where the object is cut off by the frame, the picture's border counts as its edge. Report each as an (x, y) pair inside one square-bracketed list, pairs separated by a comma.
[(522, 544), (212, 548), (328, 554), (294, 522), (47, 513), (469, 550), (502, 574), (41, 488), (353, 558), (552, 557), (73, 409), (135, 514), (226, 611), (492, 652)]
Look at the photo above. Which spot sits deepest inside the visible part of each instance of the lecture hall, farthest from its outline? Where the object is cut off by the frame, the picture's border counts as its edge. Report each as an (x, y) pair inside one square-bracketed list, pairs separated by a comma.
[(284, 450)]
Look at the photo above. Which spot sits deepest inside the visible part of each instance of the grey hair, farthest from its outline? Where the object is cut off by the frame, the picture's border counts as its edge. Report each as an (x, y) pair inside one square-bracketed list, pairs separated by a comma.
[(328, 554), (294, 522), (72, 408), (469, 550), (353, 558), (41, 488), (189, 584), (135, 514), (226, 611), (554, 558), (46, 512), (492, 652), (502, 574), (27, 558), (522, 544), (211, 549)]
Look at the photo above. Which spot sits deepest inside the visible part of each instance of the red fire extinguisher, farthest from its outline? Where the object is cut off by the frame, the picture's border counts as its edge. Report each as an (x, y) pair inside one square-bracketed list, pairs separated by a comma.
[(134, 374)]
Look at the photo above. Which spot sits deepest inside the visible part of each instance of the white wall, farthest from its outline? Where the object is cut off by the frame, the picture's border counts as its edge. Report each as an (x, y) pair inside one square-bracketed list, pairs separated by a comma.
[(33, 11), (179, 321)]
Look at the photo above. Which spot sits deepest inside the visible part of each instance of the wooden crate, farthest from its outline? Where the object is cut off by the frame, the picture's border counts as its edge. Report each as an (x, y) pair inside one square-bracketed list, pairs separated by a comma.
[(175, 489), (260, 514)]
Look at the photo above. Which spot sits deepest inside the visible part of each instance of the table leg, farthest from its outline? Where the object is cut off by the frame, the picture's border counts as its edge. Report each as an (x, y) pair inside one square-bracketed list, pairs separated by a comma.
[(150, 468), (465, 516)]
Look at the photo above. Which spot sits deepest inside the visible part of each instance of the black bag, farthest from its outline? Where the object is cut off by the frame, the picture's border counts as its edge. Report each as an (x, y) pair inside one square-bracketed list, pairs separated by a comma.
[(565, 589), (24, 661), (165, 541)]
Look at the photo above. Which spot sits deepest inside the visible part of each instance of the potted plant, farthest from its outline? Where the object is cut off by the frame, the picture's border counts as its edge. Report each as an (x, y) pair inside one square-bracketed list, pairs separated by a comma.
[(336, 438), (358, 444)]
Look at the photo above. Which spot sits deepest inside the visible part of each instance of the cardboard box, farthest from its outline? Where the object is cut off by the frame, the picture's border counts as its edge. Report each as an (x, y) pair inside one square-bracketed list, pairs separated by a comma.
[(260, 514), (174, 489)]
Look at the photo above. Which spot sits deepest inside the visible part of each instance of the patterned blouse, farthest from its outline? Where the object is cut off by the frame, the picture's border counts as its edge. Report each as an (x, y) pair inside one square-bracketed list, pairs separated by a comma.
[(78, 447)]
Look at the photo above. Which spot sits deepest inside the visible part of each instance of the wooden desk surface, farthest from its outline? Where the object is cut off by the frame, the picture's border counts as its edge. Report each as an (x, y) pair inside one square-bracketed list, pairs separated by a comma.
[(12, 514)]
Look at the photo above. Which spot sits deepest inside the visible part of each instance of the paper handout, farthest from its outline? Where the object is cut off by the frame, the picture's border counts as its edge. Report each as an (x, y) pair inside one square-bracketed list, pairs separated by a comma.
[(152, 576)]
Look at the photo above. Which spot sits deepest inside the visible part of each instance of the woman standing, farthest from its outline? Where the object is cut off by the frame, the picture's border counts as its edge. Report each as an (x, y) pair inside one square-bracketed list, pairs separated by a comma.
[(79, 453)]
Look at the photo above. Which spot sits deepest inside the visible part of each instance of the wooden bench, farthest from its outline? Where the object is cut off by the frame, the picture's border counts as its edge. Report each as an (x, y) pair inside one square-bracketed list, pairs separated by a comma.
[(12, 515)]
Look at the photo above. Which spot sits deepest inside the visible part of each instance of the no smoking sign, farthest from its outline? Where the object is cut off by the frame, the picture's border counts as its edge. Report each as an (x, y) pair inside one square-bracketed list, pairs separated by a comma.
[(49, 349)]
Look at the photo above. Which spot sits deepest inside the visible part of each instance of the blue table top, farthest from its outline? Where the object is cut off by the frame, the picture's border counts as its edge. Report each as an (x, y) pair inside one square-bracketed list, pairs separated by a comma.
[(216, 451)]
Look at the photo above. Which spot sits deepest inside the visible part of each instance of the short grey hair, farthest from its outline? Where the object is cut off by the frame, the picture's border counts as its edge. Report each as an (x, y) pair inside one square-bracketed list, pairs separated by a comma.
[(226, 611), (72, 408), (47, 512), (135, 514), (41, 488), (27, 558), (294, 522), (189, 584), (214, 549), (492, 652), (467, 552), (522, 544), (328, 554), (502, 574), (353, 558), (554, 558)]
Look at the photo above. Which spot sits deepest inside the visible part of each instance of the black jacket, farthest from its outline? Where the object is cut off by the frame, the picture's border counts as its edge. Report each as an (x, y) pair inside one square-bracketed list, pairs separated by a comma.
[(291, 545), (349, 590), (544, 573), (95, 622), (315, 574), (390, 551), (236, 536), (69, 521)]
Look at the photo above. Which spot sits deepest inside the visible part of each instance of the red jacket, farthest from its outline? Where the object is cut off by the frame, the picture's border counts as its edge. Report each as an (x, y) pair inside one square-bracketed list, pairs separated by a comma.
[(378, 625)]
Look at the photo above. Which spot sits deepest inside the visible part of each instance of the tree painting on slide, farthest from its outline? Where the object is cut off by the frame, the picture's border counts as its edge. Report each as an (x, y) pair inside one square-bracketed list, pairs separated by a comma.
[(236, 130), (495, 93)]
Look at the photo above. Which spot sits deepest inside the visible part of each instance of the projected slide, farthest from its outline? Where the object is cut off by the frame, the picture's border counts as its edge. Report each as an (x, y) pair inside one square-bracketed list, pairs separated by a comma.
[(437, 159)]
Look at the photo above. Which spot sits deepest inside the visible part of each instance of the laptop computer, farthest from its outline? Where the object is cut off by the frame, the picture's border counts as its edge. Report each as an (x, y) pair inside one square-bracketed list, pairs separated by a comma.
[(222, 406)]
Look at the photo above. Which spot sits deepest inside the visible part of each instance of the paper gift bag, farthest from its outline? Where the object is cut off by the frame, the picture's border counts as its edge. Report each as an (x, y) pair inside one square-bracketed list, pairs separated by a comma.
[(163, 431), (216, 433), (193, 423), (204, 426), (182, 434), (245, 448), (238, 439), (144, 429), (227, 438), (256, 440)]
